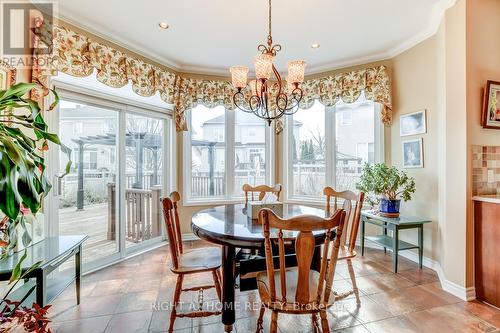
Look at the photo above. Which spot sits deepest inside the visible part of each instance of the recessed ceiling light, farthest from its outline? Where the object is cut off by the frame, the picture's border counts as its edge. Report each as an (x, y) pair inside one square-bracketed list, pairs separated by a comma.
[(163, 25), (315, 45)]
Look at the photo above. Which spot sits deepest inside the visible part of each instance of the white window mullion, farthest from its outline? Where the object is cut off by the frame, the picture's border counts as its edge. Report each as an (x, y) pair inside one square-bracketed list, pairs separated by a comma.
[(230, 151), (287, 159), (379, 136), (270, 155), (120, 190), (187, 164), (330, 159)]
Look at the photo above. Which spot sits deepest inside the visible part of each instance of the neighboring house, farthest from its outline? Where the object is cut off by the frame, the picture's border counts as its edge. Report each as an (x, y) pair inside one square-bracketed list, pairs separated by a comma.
[(83, 121), (355, 132), (250, 146)]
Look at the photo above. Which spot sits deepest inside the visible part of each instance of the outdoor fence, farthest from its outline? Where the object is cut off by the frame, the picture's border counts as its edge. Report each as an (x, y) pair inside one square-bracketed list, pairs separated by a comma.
[(201, 182), (142, 213)]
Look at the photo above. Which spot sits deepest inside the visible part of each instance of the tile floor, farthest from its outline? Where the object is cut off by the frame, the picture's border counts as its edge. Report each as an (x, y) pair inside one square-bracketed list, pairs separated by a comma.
[(134, 296)]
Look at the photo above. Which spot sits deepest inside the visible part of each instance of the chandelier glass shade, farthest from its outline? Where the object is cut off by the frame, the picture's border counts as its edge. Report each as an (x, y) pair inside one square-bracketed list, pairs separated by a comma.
[(271, 96)]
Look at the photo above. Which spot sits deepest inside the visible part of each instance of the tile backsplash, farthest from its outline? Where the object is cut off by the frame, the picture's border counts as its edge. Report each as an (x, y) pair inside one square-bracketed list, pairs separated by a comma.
[(485, 170)]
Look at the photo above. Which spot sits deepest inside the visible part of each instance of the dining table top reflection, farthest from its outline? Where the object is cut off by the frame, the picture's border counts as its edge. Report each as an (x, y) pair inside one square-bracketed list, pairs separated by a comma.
[(229, 226)]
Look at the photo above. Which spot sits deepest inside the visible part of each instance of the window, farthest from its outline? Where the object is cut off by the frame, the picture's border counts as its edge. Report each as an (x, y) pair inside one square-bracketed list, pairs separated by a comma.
[(249, 150), (224, 149), (329, 146), (308, 151), (345, 118)]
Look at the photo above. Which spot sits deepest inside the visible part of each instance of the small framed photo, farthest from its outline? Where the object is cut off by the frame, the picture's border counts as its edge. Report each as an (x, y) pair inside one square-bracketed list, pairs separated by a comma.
[(413, 155), (413, 123), (7, 75), (491, 105)]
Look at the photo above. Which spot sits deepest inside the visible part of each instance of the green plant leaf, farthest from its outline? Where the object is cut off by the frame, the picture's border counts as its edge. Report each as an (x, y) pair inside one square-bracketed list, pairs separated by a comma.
[(17, 271)]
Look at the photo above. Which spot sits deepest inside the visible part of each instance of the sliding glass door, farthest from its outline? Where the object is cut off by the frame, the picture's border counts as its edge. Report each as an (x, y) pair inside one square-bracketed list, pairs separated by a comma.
[(143, 179), (87, 195), (118, 175)]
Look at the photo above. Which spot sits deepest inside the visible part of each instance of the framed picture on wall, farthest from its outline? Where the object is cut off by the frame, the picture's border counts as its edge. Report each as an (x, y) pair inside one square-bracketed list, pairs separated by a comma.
[(7, 75), (413, 123), (413, 155), (491, 105)]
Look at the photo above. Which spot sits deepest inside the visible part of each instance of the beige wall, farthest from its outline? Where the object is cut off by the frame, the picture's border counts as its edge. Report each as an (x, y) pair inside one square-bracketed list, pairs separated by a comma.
[(415, 87), (483, 63), (454, 126)]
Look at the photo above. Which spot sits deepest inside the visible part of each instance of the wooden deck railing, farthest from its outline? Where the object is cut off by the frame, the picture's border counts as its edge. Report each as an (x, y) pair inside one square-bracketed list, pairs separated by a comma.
[(142, 213)]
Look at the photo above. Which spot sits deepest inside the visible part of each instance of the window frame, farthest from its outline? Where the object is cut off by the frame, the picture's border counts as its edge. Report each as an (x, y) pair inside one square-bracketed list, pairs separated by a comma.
[(231, 193), (330, 162)]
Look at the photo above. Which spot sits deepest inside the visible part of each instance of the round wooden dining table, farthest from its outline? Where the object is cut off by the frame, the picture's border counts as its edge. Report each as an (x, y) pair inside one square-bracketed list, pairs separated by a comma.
[(230, 227)]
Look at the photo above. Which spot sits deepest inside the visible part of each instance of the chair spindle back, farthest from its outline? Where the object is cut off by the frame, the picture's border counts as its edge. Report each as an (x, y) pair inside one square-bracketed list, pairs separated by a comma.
[(262, 190), (176, 197), (172, 233), (352, 204), (305, 225)]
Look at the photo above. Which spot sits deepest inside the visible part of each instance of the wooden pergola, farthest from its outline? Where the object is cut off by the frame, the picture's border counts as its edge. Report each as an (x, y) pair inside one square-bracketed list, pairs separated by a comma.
[(140, 141)]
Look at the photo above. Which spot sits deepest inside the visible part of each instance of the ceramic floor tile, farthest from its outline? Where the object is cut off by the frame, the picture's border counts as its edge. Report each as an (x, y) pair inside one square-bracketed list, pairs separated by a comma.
[(411, 301), (407, 300), (420, 276), (367, 311), (354, 329), (376, 283), (399, 324), (110, 287), (483, 311), (144, 300), (89, 307), (87, 325), (160, 321), (130, 322), (449, 319)]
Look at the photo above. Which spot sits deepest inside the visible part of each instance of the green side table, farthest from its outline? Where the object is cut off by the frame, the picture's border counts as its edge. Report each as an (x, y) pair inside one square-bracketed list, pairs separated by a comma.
[(393, 243)]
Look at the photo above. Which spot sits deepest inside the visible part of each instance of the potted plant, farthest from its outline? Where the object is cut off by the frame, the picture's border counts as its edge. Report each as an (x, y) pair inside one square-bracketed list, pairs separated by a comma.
[(389, 185), (24, 137)]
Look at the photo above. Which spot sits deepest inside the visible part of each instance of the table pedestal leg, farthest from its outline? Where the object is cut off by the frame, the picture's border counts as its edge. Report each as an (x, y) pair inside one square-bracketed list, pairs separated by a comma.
[(228, 282)]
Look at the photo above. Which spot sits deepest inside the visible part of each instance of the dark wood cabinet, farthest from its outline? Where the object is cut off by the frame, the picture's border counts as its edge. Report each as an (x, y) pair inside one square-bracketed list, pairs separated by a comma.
[(487, 251)]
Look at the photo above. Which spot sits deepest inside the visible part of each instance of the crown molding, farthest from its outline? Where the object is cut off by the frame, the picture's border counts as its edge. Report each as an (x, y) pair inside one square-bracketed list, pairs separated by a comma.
[(115, 39), (435, 19)]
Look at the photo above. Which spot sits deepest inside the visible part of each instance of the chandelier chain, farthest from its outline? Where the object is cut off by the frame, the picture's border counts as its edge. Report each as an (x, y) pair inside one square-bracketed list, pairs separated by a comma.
[(270, 34), (269, 101)]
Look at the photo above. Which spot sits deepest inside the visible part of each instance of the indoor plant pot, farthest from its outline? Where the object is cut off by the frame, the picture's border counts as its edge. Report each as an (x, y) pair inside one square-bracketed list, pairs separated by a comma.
[(388, 186), (389, 208)]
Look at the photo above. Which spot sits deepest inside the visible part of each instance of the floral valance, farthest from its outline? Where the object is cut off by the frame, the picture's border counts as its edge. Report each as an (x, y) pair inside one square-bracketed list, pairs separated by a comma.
[(79, 55), (328, 90)]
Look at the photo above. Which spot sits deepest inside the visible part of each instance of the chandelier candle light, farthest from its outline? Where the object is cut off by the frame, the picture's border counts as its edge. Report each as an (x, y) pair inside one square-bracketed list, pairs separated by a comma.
[(287, 94)]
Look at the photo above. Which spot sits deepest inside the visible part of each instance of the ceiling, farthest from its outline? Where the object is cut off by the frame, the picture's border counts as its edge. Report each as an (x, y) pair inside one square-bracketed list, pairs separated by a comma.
[(208, 37)]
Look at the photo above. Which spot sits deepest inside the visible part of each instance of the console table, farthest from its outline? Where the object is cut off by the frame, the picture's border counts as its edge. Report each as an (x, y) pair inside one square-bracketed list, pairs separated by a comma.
[(393, 243), (51, 252)]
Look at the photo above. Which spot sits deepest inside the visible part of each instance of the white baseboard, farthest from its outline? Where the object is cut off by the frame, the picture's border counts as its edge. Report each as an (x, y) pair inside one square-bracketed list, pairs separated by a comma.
[(466, 294)]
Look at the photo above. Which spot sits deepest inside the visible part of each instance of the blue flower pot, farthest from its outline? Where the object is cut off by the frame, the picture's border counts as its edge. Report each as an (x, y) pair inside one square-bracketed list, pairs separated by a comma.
[(389, 208)]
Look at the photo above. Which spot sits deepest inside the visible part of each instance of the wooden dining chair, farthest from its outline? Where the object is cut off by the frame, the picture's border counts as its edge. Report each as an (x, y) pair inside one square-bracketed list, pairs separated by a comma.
[(301, 290), (262, 190), (200, 260), (352, 204)]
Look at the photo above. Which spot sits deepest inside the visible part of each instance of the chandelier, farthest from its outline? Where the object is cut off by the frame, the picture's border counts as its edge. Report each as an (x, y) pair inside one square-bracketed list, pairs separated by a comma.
[(269, 99)]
